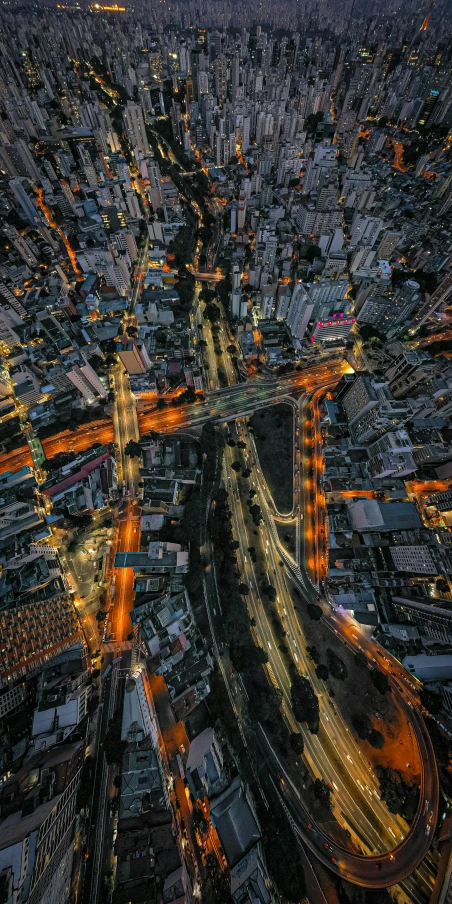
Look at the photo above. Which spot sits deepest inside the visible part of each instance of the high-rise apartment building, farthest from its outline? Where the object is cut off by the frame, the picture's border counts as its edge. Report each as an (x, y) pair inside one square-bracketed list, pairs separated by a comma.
[(38, 812), (135, 127), (133, 356), (433, 619), (440, 296), (27, 208)]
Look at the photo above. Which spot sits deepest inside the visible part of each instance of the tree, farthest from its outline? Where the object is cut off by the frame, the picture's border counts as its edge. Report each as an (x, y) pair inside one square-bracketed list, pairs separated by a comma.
[(399, 796), (114, 748), (297, 742), (224, 289), (380, 681), (59, 460), (182, 246), (207, 295), (314, 611), (133, 449), (217, 884), (186, 291), (100, 615), (81, 521), (286, 872), (365, 730), (376, 739), (244, 589), (305, 704), (236, 466), (212, 312), (312, 122), (199, 821), (372, 896), (362, 725), (314, 654), (336, 665), (189, 525), (398, 277), (161, 403), (93, 703), (360, 659), (208, 441), (256, 513), (85, 790), (321, 790), (322, 672), (368, 332), (312, 253), (431, 701)]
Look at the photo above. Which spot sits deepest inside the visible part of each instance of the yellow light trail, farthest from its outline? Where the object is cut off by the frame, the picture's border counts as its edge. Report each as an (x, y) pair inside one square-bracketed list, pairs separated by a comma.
[(51, 222)]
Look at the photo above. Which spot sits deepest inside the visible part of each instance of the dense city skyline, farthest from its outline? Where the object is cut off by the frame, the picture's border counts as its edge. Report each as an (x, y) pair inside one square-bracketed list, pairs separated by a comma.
[(226, 452)]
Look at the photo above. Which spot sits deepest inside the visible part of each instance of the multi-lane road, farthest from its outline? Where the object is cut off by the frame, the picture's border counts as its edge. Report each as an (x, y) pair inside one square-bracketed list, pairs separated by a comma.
[(234, 401), (126, 428), (122, 601), (395, 849), (242, 399)]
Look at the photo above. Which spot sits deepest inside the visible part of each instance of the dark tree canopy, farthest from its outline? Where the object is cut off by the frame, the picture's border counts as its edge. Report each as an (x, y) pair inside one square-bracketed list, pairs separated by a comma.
[(305, 704)]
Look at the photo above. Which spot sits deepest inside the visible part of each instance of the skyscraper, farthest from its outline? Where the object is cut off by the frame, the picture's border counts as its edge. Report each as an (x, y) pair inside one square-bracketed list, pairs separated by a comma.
[(136, 129), (27, 207)]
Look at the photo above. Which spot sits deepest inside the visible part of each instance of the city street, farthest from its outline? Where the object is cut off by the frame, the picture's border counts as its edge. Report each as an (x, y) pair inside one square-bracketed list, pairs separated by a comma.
[(234, 401), (226, 319)]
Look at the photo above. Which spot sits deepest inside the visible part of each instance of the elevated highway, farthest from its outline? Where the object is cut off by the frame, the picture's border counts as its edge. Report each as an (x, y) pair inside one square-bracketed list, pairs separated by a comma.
[(224, 404)]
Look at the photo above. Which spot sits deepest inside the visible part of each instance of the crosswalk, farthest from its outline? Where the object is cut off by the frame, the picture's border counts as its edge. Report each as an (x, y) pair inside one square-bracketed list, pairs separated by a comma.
[(116, 647)]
